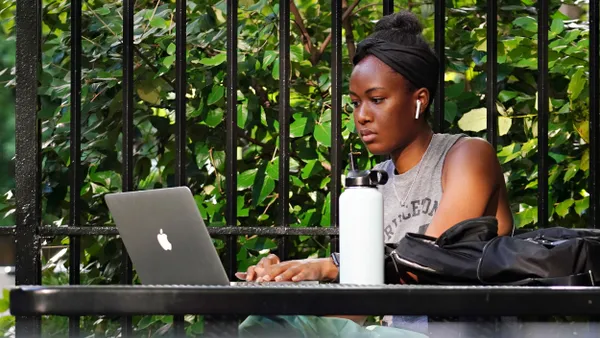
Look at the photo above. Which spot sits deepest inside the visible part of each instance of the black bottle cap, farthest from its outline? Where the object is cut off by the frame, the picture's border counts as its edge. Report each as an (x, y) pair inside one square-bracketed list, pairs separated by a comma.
[(364, 178)]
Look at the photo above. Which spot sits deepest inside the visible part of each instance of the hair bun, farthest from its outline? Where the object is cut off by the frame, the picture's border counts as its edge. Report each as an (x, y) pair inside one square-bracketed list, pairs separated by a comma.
[(404, 22)]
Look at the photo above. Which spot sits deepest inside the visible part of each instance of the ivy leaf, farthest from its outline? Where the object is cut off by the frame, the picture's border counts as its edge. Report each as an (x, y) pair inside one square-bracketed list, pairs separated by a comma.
[(301, 126), (215, 60), (219, 160), (585, 160), (158, 22), (258, 6), (583, 129), (269, 58), (168, 61), (450, 111), (454, 90), (4, 304), (571, 171), (527, 23), (216, 94), (102, 11), (296, 53), (275, 71), (506, 95), (562, 209), (312, 167), (557, 26), (242, 211), (527, 216), (171, 49), (214, 117), (504, 124), (322, 133), (325, 212), (263, 187), (474, 120), (557, 157), (146, 322), (149, 92), (273, 169), (578, 81), (198, 327), (242, 115), (245, 179), (582, 205)]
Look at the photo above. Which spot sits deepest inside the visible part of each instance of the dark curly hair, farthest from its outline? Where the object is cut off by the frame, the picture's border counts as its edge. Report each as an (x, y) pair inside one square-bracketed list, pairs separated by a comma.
[(403, 28)]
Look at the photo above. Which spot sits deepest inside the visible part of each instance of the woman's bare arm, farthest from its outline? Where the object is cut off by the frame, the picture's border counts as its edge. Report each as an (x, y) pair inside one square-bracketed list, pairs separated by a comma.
[(473, 186)]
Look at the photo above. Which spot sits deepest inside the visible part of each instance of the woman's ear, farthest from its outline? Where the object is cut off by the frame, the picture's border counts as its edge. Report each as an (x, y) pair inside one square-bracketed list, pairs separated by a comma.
[(423, 96)]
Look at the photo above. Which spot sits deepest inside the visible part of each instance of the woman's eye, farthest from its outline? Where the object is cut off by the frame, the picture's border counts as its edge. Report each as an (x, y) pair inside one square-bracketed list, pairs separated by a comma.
[(354, 104), (377, 100)]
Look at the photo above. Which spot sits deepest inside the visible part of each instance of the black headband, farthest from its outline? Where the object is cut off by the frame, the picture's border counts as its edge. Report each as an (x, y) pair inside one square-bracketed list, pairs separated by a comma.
[(418, 65)]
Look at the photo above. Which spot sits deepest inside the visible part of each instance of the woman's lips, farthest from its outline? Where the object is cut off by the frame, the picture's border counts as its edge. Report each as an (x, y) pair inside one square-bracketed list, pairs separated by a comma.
[(367, 135)]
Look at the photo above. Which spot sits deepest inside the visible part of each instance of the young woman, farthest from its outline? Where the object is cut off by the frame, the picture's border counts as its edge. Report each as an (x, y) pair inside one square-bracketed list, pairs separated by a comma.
[(436, 180)]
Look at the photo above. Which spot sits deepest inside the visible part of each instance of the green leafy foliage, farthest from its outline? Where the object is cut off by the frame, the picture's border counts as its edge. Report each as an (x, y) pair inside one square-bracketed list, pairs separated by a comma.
[(7, 102), (258, 102)]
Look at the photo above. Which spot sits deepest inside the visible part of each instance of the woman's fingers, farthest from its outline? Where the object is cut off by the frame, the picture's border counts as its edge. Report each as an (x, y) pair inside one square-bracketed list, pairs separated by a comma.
[(273, 259), (288, 274), (250, 273), (271, 269), (268, 261), (300, 272), (276, 270), (258, 270)]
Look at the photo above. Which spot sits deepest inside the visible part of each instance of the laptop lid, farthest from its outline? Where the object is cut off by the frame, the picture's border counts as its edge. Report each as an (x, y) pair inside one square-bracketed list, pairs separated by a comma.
[(166, 237)]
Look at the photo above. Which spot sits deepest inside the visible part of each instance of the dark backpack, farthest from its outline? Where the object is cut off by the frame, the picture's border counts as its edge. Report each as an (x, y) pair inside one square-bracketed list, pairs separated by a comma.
[(471, 253)]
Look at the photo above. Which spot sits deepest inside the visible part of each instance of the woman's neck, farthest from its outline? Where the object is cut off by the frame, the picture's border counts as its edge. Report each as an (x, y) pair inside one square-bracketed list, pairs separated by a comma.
[(409, 156)]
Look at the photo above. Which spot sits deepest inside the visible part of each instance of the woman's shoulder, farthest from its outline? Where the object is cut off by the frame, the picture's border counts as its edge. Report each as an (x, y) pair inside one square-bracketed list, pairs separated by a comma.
[(386, 165), (471, 152), (465, 145)]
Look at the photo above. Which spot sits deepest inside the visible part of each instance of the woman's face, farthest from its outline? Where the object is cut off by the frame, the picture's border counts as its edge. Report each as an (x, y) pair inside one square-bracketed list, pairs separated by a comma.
[(384, 106)]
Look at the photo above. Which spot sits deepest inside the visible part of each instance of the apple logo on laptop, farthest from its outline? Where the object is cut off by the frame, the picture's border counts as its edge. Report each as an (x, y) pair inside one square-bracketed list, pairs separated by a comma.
[(164, 241)]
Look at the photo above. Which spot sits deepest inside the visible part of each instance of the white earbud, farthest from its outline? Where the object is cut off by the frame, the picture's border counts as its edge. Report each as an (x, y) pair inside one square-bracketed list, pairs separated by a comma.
[(418, 110)]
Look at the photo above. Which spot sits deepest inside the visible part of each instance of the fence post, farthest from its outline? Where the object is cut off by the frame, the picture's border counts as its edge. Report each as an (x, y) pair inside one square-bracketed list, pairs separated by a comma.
[(27, 152)]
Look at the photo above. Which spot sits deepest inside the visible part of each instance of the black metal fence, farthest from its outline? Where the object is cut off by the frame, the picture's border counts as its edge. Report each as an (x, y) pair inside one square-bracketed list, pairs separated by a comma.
[(29, 230)]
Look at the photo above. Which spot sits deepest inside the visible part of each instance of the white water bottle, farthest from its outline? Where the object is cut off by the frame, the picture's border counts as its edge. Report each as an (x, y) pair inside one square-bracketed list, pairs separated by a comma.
[(361, 228)]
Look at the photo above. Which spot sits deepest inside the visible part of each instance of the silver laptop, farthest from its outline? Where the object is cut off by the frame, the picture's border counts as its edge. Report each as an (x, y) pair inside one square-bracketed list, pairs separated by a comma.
[(166, 237)]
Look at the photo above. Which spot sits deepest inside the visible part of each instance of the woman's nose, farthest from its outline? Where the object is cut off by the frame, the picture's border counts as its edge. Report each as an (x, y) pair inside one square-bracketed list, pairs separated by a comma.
[(362, 115)]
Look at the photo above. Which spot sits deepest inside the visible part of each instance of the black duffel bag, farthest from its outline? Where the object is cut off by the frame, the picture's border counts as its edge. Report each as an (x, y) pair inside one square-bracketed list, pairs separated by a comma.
[(471, 253)]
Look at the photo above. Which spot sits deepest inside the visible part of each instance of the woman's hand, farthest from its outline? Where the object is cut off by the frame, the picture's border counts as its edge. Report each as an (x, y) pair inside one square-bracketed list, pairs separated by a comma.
[(270, 269)]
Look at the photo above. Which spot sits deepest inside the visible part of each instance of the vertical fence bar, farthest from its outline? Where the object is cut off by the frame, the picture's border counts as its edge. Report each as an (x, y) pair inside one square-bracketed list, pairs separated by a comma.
[(27, 154), (492, 71), (180, 99), (284, 118), (231, 213), (542, 84), (128, 108), (594, 114), (439, 30), (75, 165), (388, 7), (180, 116), (336, 114)]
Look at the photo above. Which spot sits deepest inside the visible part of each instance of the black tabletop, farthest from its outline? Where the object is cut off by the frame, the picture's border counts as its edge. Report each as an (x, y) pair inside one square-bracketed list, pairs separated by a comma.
[(310, 299)]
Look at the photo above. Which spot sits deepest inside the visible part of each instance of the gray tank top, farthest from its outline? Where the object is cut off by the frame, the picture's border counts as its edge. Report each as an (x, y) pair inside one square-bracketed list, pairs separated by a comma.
[(420, 204), (422, 200)]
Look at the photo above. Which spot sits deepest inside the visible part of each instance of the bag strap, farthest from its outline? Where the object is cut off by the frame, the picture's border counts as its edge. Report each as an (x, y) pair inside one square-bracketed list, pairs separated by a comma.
[(580, 279)]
